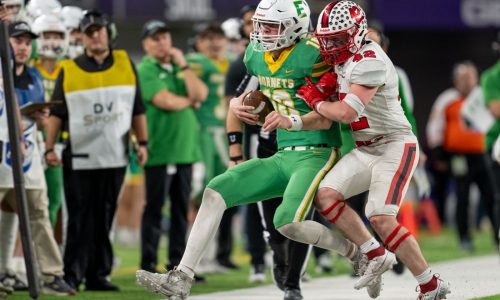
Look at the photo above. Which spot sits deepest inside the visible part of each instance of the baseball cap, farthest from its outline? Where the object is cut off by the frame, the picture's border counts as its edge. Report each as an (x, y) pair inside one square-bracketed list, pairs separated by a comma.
[(154, 26), (19, 28), (91, 18)]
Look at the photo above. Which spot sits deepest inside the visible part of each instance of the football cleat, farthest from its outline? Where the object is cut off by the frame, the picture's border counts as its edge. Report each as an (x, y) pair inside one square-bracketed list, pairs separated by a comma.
[(376, 267), (174, 284), (440, 292)]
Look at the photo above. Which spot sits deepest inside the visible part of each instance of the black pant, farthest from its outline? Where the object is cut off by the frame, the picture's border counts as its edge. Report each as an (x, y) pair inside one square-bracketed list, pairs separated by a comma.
[(91, 197), (159, 184), (255, 233), (290, 254), (479, 172)]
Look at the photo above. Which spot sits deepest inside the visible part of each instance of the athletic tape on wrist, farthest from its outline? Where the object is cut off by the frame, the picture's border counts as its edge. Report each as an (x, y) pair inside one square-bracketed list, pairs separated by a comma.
[(296, 123), (355, 103), (318, 106)]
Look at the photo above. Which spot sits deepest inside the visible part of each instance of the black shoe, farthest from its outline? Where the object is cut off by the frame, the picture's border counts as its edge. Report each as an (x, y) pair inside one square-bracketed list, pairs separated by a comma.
[(103, 285), (398, 268), (227, 263), (58, 287), (293, 294), (279, 275), (199, 279)]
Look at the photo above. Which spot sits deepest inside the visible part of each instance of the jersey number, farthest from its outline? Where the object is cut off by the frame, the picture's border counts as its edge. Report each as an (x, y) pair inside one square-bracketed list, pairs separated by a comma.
[(282, 102), (360, 124), (366, 54)]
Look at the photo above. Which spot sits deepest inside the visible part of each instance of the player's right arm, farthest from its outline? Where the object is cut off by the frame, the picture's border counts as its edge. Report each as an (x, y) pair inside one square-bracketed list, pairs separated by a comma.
[(234, 127)]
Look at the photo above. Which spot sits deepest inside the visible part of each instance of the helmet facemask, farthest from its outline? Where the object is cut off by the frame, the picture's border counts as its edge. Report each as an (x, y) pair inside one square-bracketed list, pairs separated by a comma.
[(341, 31), (337, 47), (270, 35), (48, 46)]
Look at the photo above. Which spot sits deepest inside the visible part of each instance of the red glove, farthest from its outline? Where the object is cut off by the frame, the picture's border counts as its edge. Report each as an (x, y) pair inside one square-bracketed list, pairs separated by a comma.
[(328, 84), (311, 94)]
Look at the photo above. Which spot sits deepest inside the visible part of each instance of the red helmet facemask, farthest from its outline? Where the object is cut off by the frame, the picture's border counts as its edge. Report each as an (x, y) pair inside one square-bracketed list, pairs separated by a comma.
[(338, 47)]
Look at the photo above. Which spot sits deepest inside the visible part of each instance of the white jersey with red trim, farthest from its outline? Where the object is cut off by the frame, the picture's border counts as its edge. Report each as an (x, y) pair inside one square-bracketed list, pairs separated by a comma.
[(383, 115)]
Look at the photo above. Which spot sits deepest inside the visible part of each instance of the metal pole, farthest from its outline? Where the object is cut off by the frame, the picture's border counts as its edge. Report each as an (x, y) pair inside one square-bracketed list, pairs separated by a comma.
[(13, 126)]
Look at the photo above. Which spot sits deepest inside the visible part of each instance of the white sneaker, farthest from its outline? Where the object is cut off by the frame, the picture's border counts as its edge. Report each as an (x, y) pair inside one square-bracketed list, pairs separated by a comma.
[(174, 283), (257, 274), (375, 287), (376, 267), (440, 292)]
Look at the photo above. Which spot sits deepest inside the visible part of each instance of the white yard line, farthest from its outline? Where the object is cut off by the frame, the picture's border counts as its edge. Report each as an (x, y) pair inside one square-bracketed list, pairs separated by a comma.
[(469, 278)]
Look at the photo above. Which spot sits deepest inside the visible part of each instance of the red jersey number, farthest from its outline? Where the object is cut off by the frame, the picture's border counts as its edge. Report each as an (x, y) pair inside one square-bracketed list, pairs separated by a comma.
[(360, 124), (366, 54)]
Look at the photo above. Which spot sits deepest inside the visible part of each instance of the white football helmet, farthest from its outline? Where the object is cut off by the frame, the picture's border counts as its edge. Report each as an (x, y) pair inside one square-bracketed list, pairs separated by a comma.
[(232, 28), (50, 47), (72, 15), (36, 8), (341, 31), (14, 8), (290, 17)]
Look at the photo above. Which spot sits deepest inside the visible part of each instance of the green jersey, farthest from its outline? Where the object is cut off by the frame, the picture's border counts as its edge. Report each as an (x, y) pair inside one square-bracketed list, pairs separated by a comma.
[(48, 79), (280, 79), (490, 83), (173, 135), (212, 111)]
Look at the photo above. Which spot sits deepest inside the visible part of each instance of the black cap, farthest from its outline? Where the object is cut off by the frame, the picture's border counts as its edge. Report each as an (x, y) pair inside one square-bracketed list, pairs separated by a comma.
[(152, 27), (19, 28), (91, 18)]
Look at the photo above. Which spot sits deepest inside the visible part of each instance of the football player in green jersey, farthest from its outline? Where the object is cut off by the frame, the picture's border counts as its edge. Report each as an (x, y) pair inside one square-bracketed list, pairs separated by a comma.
[(280, 55), (51, 47)]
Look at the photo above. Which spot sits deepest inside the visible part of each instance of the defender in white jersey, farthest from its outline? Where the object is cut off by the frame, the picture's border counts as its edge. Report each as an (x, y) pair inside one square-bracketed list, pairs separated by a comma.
[(387, 153)]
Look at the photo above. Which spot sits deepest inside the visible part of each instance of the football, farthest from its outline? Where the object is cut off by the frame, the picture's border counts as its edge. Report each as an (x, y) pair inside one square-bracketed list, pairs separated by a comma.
[(262, 104)]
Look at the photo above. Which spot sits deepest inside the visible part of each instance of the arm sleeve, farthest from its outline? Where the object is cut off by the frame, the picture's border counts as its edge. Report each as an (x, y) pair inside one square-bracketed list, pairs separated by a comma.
[(369, 72), (138, 102), (60, 111)]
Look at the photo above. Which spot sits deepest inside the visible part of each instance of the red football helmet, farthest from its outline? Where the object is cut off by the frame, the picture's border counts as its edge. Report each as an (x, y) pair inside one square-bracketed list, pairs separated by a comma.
[(341, 31)]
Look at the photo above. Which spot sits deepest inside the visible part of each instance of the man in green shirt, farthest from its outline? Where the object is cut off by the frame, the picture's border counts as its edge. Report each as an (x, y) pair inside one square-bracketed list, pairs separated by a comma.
[(170, 90), (280, 55)]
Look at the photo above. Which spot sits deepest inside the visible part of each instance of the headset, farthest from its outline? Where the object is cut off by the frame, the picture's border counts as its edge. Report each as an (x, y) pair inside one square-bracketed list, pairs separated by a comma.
[(92, 15)]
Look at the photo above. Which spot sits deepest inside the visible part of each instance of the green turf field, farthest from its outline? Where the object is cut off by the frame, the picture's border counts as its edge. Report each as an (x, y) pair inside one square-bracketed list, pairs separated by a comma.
[(435, 248)]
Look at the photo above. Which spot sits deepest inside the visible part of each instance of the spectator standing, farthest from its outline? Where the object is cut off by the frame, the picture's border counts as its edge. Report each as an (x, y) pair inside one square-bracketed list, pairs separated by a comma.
[(29, 88), (171, 89), (468, 161), (51, 46), (101, 100)]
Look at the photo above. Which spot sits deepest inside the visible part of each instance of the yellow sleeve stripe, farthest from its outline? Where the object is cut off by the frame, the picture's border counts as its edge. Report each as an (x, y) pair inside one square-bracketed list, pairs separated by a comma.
[(320, 73), (319, 65)]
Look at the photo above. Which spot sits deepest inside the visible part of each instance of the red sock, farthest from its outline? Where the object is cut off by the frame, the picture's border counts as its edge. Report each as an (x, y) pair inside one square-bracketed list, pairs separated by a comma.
[(375, 252), (429, 286)]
